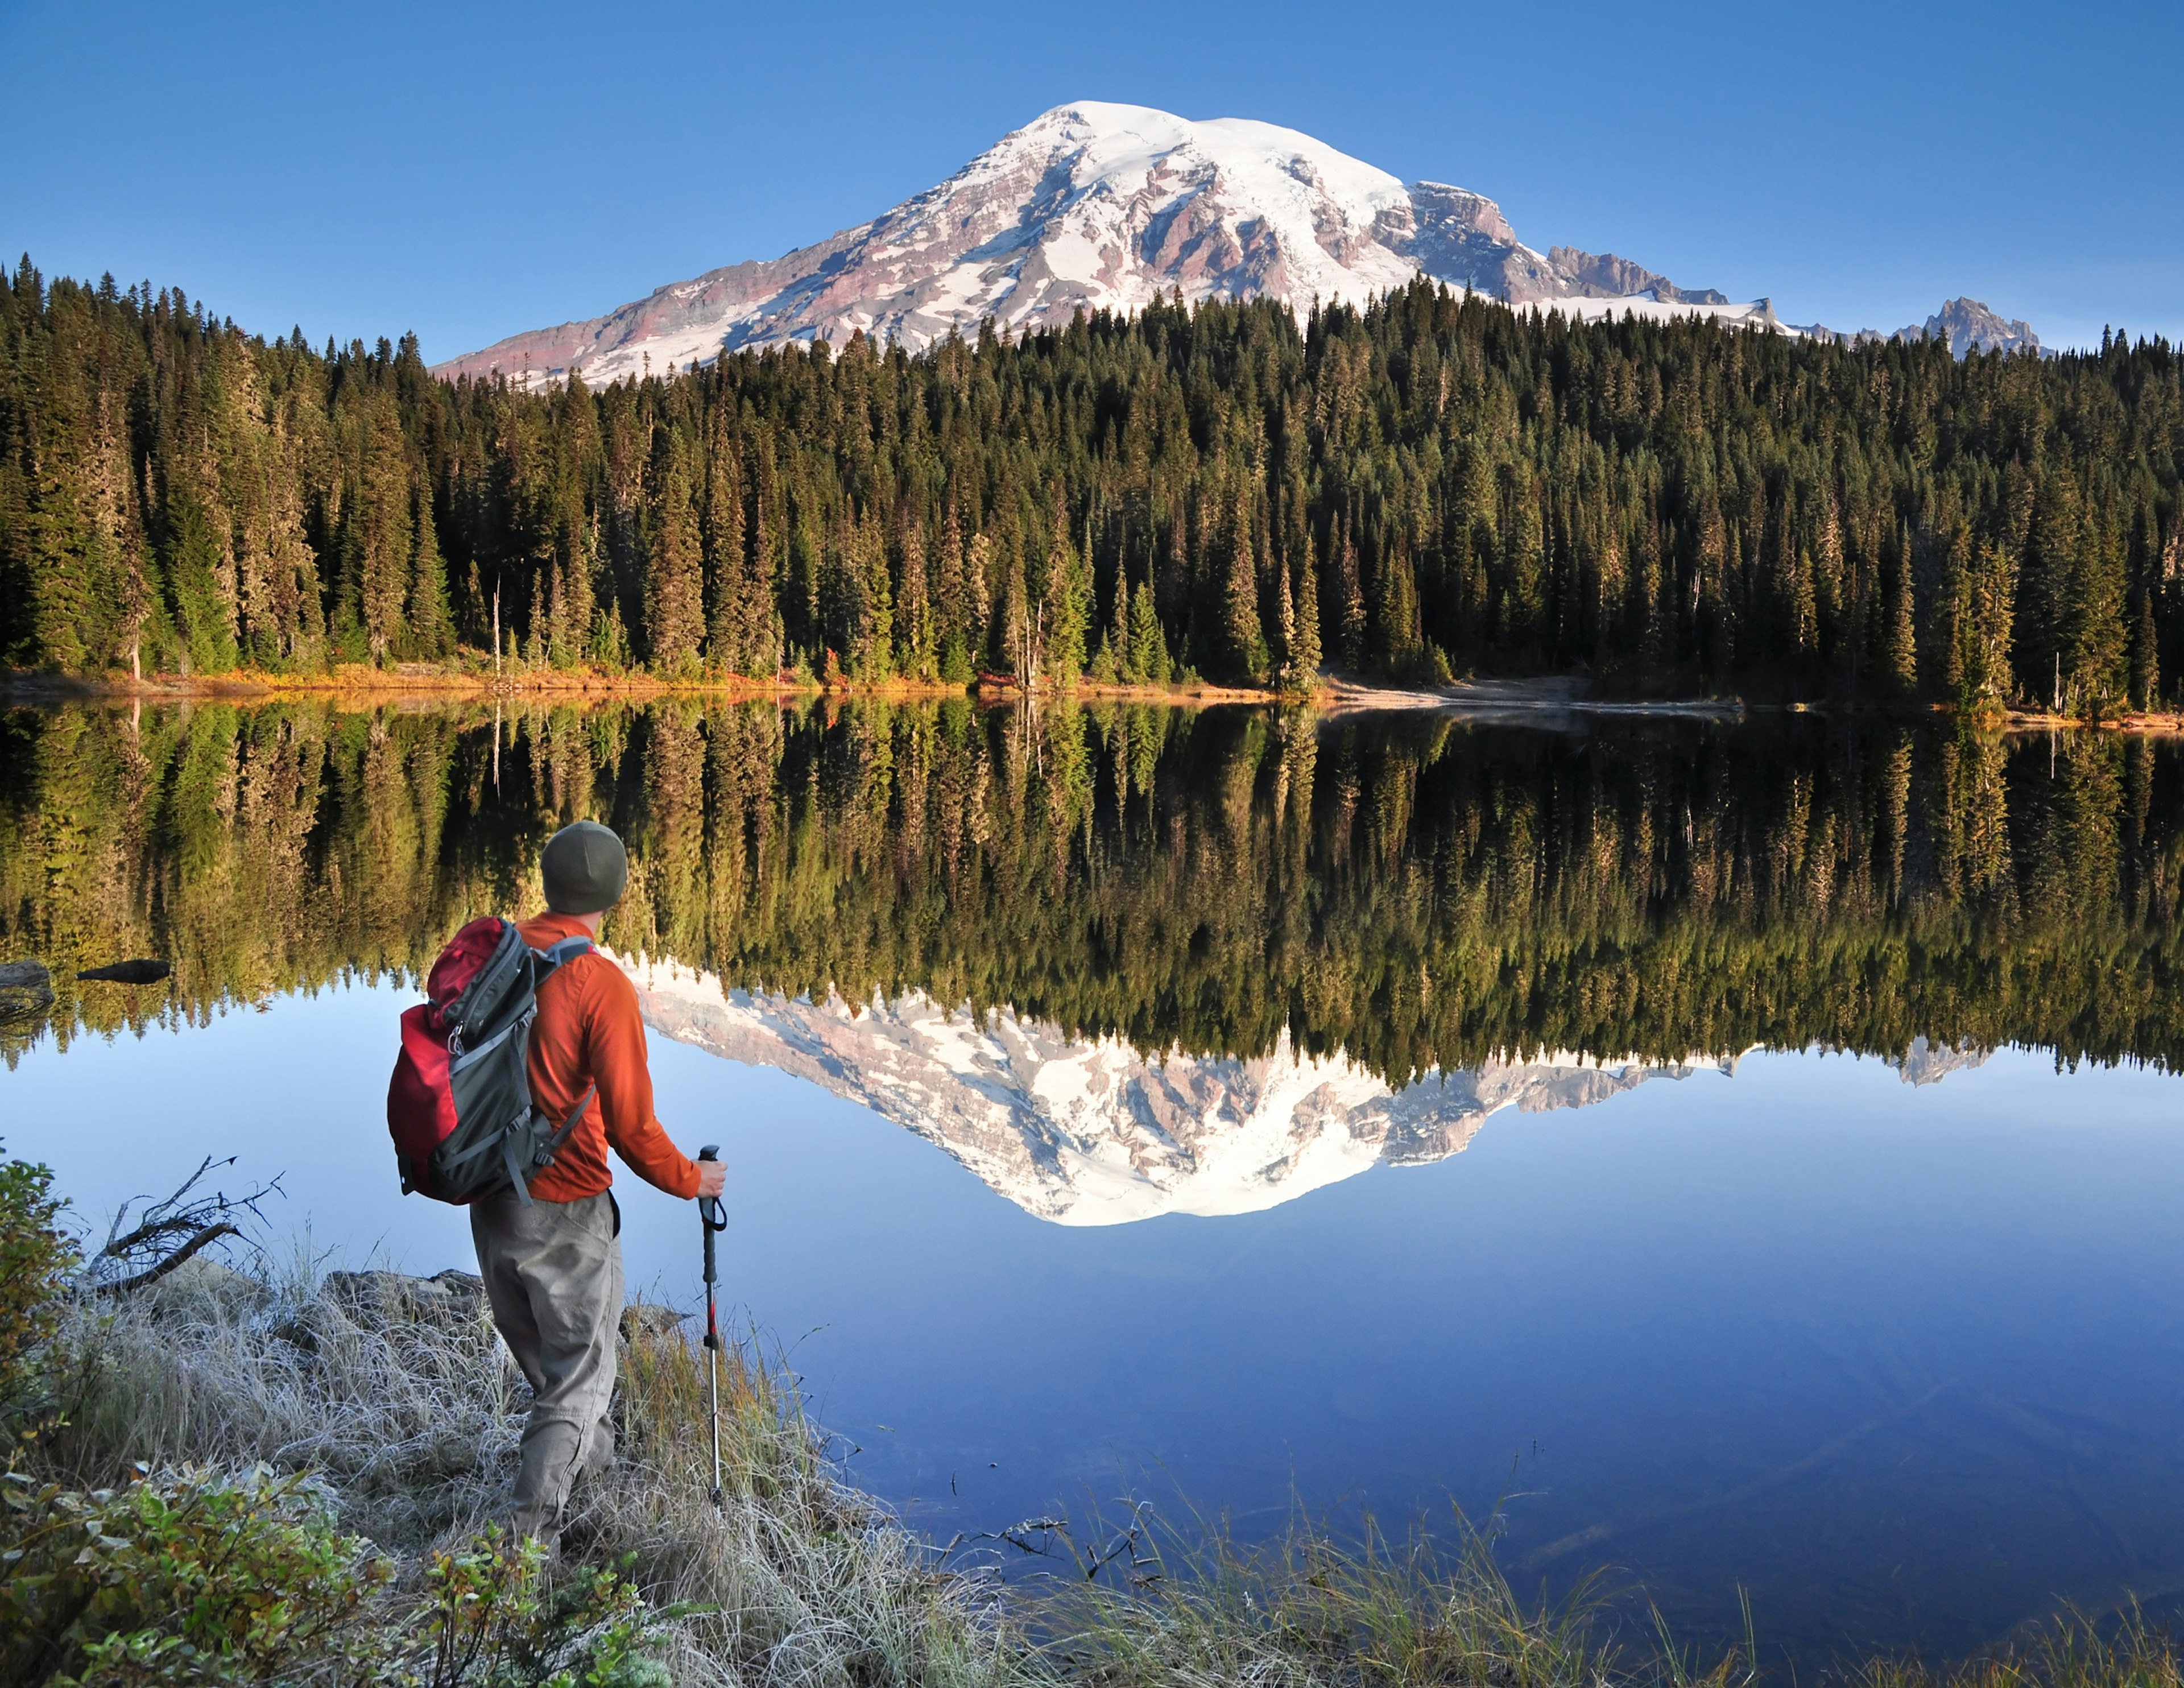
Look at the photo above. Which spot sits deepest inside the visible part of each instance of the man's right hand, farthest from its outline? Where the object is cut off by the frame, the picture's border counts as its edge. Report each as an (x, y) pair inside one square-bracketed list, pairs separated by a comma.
[(712, 1177)]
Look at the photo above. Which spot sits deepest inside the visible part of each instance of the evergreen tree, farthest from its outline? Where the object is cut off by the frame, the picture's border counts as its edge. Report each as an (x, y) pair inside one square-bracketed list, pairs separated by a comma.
[(431, 631), (959, 633), (2094, 633), (1897, 643), (674, 597), (1149, 657), (1067, 605), (728, 588), (1112, 662), (1352, 588), (1244, 645), (914, 603), (1305, 658), (1015, 625), (192, 566)]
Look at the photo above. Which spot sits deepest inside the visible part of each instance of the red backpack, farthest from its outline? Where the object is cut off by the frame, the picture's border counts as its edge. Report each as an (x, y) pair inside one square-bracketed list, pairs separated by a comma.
[(459, 1105)]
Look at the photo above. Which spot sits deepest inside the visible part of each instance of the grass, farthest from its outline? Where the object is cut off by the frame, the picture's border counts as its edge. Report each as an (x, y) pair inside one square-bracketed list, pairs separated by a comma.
[(403, 1406), (411, 1416)]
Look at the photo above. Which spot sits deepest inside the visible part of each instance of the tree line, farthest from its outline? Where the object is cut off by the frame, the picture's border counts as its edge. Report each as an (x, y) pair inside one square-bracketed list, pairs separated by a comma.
[(1414, 894), (1429, 486)]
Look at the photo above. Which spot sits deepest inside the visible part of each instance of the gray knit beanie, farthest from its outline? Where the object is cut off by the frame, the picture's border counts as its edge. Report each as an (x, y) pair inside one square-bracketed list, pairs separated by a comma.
[(585, 868)]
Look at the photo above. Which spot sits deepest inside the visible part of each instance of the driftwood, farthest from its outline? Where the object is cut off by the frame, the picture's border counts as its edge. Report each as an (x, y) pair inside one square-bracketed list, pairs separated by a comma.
[(171, 1232)]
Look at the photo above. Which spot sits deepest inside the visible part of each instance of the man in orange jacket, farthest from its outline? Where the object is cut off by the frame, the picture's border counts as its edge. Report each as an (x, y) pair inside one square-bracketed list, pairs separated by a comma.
[(553, 1266)]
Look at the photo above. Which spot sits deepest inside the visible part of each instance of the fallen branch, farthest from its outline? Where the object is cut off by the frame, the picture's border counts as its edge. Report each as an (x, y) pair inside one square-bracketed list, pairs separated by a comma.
[(210, 1233), (172, 1231)]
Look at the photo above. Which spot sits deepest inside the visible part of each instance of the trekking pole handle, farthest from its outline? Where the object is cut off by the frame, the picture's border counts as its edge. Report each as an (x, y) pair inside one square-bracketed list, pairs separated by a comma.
[(710, 1216)]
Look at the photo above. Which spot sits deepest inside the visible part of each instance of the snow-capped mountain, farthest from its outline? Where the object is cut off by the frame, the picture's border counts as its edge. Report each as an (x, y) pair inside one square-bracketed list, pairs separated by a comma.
[(1098, 206)]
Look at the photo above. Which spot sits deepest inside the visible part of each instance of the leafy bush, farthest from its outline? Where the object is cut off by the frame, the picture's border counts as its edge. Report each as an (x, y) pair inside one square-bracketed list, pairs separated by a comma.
[(489, 1619), (199, 1577), (35, 1259), (194, 1576)]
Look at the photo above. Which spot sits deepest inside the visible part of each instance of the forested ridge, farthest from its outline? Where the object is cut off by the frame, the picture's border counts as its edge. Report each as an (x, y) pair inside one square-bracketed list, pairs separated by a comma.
[(1427, 486), (1414, 893)]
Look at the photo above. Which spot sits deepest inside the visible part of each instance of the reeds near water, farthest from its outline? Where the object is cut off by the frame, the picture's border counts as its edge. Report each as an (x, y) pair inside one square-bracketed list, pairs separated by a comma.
[(397, 1395)]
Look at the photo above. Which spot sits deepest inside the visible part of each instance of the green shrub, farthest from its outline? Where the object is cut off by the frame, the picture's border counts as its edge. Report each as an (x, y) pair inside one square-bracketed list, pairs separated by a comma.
[(199, 1577), (35, 1259), (193, 1576), (490, 1620)]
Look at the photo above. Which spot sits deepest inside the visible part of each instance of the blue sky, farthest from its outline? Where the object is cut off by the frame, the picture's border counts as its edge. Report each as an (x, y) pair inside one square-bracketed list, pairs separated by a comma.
[(468, 171)]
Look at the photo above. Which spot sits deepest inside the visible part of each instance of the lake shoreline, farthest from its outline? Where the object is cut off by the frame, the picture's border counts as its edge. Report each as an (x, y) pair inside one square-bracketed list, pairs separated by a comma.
[(244, 1386), (1336, 694)]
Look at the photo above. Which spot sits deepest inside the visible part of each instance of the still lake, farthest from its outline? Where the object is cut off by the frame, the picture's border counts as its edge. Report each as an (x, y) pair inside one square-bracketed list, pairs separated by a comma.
[(1739, 1159)]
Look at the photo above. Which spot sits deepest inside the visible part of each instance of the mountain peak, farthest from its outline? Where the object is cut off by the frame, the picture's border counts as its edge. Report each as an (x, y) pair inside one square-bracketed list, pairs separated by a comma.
[(1093, 205), (1096, 205), (1969, 326), (1089, 1131)]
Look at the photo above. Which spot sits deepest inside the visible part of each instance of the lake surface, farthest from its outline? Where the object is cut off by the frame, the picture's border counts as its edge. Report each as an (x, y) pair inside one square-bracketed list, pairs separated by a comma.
[(1728, 1158)]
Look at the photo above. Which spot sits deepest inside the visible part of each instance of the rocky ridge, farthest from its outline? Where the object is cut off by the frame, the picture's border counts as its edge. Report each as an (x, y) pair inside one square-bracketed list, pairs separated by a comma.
[(1970, 326)]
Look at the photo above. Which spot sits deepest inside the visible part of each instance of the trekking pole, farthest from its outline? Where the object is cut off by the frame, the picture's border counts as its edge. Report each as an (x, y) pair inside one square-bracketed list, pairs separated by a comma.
[(713, 1219)]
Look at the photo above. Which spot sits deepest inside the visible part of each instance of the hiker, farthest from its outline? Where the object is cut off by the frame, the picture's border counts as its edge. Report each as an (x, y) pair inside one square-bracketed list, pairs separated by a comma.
[(553, 1265)]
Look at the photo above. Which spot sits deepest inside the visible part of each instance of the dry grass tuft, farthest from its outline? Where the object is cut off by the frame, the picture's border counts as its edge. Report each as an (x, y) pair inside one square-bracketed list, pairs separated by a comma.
[(404, 1402), (411, 1417)]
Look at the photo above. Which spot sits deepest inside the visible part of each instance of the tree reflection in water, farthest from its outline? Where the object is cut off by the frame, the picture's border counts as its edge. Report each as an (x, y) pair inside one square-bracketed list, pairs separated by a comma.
[(1414, 891)]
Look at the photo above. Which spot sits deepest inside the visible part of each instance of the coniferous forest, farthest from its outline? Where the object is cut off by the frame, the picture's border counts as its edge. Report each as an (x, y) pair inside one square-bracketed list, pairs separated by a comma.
[(1428, 487)]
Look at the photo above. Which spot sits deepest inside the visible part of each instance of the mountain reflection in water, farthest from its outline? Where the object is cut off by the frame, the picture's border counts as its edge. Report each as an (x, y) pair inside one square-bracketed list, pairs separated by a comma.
[(1090, 1132)]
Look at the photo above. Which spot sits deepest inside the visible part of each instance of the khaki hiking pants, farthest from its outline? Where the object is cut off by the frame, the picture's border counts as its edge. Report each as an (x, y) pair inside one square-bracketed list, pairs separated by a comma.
[(553, 1273)]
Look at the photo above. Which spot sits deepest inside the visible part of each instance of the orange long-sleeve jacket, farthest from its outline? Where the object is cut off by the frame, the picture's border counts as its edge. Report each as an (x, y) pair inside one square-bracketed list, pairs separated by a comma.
[(588, 1031)]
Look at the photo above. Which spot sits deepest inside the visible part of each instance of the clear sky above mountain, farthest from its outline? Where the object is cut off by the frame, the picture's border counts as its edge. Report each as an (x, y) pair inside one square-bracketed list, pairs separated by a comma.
[(469, 171)]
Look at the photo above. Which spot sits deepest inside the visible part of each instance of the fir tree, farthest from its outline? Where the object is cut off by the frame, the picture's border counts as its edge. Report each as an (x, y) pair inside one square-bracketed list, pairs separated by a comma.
[(674, 597), (1898, 644), (1149, 657), (1067, 605), (1352, 587), (727, 588), (202, 622), (1244, 643), (431, 625), (914, 602), (959, 638), (1304, 660)]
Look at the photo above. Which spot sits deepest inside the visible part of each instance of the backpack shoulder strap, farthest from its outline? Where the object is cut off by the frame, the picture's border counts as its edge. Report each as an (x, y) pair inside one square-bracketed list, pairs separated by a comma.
[(567, 949), (545, 964), (583, 1106)]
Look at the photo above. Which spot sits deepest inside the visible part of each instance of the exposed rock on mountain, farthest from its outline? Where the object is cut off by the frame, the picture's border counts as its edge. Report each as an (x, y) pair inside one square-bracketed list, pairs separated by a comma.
[(1604, 276), (1089, 1132), (1970, 326), (1093, 206)]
